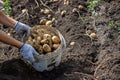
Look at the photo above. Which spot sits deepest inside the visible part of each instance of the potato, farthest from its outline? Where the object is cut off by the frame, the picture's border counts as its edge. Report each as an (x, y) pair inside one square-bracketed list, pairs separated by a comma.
[(80, 7), (53, 20), (29, 42), (46, 11), (44, 41), (88, 32), (40, 50), (42, 10), (50, 42), (74, 10), (33, 40), (49, 16), (43, 21), (30, 38), (93, 36), (72, 43), (25, 11), (55, 39), (46, 48), (55, 46), (66, 2), (47, 36), (39, 38), (33, 35), (48, 23), (63, 12)]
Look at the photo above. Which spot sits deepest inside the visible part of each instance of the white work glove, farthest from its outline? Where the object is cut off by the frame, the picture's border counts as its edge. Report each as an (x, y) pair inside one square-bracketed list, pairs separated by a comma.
[(28, 52), (21, 29)]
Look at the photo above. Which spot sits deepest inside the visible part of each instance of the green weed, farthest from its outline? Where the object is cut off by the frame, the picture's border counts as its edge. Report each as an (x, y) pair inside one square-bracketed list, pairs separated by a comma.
[(7, 8), (93, 3), (119, 30), (111, 23)]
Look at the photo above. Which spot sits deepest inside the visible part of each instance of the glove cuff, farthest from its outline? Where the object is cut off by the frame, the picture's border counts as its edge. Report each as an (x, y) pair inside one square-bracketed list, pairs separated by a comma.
[(15, 25), (22, 47)]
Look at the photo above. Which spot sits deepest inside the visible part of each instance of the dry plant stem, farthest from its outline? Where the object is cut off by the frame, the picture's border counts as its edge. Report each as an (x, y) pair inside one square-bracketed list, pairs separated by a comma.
[(3, 51), (27, 15), (37, 3), (46, 6), (80, 16), (86, 75), (91, 62), (94, 22), (100, 65), (72, 37), (13, 51), (101, 75), (77, 35), (22, 15)]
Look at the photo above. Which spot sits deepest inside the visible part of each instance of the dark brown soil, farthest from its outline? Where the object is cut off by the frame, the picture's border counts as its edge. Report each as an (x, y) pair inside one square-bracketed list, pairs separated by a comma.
[(87, 59)]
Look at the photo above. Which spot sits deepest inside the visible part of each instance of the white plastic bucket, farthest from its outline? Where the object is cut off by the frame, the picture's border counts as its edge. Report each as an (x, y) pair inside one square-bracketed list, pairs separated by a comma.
[(50, 60)]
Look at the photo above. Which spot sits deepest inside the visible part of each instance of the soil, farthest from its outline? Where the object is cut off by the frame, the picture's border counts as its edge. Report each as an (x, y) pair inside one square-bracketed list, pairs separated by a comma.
[(87, 59)]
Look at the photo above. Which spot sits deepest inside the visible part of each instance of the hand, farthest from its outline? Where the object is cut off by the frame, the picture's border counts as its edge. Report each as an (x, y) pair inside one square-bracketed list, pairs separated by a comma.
[(28, 52), (22, 29)]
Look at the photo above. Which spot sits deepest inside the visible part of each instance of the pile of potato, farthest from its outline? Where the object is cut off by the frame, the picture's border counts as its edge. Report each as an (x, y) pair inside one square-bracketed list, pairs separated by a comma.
[(43, 40)]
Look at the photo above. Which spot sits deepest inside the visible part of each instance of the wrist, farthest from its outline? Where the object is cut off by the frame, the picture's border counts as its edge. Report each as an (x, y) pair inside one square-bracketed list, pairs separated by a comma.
[(20, 45)]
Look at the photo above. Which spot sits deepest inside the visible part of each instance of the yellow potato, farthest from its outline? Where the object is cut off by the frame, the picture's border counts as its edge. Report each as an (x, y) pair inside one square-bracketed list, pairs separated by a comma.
[(88, 32), (39, 38), (63, 12), (42, 10), (55, 46), (40, 50), (29, 42), (48, 23), (93, 36), (47, 36), (53, 20), (55, 39), (44, 41), (43, 21), (46, 48), (74, 10), (50, 43), (46, 11), (80, 7), (30, 38)]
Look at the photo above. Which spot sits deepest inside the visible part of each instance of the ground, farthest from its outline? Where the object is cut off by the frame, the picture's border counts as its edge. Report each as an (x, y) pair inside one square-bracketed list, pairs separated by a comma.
[(87, 59)]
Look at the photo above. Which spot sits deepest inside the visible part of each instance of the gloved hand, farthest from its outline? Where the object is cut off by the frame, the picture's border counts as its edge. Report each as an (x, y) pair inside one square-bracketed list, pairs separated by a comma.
[(22, 29), (28, 52)]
